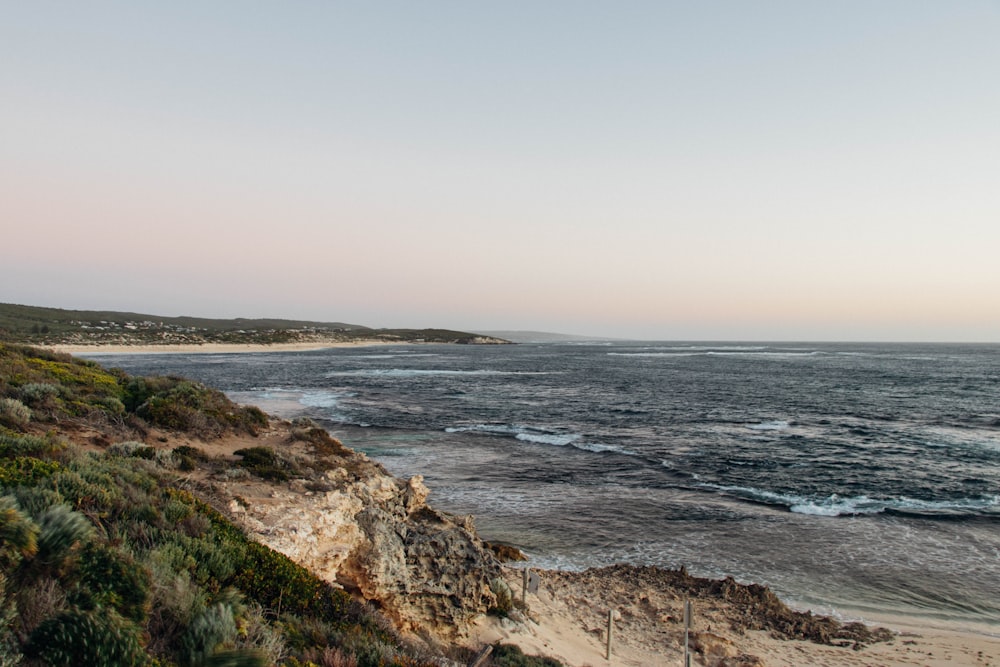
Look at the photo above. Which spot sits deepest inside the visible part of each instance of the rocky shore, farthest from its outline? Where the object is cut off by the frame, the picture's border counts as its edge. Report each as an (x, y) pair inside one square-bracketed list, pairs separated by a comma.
[(347, 519)]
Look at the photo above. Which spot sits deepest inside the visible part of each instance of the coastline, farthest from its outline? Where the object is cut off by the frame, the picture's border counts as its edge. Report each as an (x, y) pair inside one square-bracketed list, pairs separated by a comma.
[(567, 616), (567, 620), (214, 348)]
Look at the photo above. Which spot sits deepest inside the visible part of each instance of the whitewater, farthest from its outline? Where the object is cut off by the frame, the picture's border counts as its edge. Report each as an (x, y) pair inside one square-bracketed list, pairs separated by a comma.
[(860, 480)]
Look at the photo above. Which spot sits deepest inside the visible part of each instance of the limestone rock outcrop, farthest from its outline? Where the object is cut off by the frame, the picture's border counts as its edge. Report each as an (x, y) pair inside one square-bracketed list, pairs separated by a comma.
[(377, 537)]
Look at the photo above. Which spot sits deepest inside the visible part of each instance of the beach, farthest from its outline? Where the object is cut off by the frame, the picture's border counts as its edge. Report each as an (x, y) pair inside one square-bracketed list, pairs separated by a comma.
[(210, 348), (567, 619)]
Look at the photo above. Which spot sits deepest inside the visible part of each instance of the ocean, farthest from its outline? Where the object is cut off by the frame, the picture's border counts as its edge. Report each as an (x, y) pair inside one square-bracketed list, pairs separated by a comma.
[(859, 480)]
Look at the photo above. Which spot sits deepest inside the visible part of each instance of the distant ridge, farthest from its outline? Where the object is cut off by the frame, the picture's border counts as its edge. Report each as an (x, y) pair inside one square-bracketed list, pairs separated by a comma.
[(544, 337), (14, 317), (48, 326)]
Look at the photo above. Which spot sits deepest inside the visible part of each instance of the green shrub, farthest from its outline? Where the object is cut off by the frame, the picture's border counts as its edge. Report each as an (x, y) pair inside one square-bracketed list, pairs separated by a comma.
[(97, 638), (18, 534), (256, 633), (10, 647), (25, 470), (184, 405), (188, 458), (137, 390), (82, 493), (191, 452), (508, 655), (208, 631), (14, 413), (111, 578), (131, 448), (39, 393), (60, 531), (504, 596), (265, 463), (277, 582), (36, 500), (175, 511), (210, 638), (25, 445)]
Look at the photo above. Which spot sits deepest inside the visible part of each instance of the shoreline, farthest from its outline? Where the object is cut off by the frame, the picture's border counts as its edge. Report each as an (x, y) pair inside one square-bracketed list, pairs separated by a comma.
[(567, 619), (213, 348)]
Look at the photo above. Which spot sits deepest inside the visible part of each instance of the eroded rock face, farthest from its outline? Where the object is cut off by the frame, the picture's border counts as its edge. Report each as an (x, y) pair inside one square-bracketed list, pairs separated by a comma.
[(376, 536), (424, 567)]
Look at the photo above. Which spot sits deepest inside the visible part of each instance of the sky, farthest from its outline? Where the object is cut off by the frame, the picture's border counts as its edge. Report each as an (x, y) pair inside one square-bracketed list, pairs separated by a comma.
[(801, 170)]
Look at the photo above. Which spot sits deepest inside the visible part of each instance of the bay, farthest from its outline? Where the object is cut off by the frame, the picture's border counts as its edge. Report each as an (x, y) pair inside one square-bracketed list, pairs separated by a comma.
[(855, 479)]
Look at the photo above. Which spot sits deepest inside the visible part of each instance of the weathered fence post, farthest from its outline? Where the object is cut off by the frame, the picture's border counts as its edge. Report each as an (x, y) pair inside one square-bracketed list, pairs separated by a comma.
[(687, 630), (481, 656), (611, 632)]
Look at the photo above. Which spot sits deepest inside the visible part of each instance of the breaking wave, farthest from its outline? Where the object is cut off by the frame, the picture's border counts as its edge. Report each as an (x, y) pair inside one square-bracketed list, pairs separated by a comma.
[(539, 436), (835, 505)]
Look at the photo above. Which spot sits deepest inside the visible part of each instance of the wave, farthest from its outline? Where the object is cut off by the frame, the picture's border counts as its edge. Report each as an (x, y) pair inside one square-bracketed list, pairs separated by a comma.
[(776, 425), (723, 353), (683, 348), (387, 355), (306, 397), (418, 372), (835, 505), (321, 399), (539, 436)]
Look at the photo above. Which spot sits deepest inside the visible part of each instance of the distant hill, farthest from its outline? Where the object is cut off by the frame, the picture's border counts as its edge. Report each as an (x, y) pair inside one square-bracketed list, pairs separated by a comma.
[(49, 326), (542, 337)]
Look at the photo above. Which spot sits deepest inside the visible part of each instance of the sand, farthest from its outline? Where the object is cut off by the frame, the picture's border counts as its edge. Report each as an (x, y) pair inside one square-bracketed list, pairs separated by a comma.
[(210, 348), (567, 619)]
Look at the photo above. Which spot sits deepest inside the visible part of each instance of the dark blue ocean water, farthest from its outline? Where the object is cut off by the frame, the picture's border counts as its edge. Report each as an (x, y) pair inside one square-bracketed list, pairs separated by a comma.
[(855, 479)]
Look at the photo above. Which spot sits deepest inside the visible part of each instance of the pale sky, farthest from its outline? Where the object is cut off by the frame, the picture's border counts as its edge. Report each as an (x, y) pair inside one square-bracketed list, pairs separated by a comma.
[(801, 170)]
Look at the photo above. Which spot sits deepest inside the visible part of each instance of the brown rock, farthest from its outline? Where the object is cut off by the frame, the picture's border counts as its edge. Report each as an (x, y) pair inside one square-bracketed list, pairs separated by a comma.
[(712, 646), (506, 553)]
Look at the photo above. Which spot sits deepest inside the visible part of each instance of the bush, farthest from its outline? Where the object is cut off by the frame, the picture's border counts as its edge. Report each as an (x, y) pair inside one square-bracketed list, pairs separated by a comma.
[(25, 445), (211, 636), (110, 578), (505, 598), (111, 404), (18, 534), (98, 638), (184, 405), (187, 458), (209, 630), (60, 530), (14, 413), (25, 470), (265, 463), (131, 448), (10, 649), (35, 500), (508, 655), (39, 393)]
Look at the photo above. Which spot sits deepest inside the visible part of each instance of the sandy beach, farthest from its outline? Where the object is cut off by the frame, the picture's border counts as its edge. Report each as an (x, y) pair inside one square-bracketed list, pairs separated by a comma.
[(567, 619), (211, 348)]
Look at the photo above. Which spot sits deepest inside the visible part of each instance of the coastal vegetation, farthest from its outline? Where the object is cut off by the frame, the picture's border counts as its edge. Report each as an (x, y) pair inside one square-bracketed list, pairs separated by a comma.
[(107, 559), (53, 326)]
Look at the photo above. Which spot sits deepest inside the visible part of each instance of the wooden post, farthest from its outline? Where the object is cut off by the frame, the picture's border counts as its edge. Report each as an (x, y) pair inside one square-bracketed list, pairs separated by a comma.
[(481, 656), (687, 629), (524, 586), (611, 631)]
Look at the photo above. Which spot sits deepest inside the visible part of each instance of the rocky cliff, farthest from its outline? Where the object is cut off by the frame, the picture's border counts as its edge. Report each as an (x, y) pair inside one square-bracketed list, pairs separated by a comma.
[(345, 518)]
